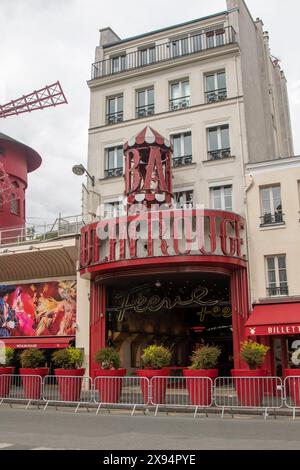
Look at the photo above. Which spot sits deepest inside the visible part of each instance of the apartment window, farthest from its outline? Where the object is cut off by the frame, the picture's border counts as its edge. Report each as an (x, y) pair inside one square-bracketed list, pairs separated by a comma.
[(218, 142), (114, 162), (179, 95), (114, 109), (215, 87), (215, 38), (276, 275), (114, 209), (147, 55), (179, 47), (196, 42), (184, 199), (182, 144), (221, 198), (145, 102), (118, 63), (271, 206)]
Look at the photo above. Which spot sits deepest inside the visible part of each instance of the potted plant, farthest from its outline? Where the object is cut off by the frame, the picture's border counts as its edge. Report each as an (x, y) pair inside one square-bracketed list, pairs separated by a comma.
[(69, 372), (201, 373), (293, 381), (155, 360), (107, 377), (249, 382), (32, 372), (6, 359)]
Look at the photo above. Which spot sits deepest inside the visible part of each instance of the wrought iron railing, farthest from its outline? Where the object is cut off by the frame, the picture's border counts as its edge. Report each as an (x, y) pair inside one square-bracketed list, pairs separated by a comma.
[(181, 161), (114, 118), (272, 219), (220, 154), (216, 95), (166, 51), (144, 111), (274, 291), (179, 103), (113, 172)]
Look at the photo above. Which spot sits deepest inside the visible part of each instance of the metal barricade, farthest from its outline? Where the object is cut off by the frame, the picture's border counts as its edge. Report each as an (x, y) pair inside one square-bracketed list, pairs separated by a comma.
[(248, 393), (16, 388), (122, 392), (182, 392), (67, 390), (292, 393)]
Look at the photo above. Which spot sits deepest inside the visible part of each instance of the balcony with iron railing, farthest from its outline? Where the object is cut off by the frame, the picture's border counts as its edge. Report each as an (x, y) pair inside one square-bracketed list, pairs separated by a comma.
[(216, 95), (270, 219), (114, 118), (274, 291), (61, 227), (179, 103), (144, 111), (193, 44), (114, 172), (220, 154), (182, 161)]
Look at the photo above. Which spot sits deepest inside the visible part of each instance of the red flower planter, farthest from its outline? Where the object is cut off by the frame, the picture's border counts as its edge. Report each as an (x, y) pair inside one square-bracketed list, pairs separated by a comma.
[(5, 382), (69, 383), (109, 384), (32, 386), (293, 385), (250, 389), (199, 386), (159, 385)]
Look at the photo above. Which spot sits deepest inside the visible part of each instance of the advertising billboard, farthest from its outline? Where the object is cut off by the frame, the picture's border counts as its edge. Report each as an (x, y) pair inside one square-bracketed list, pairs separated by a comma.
[(39, 309)]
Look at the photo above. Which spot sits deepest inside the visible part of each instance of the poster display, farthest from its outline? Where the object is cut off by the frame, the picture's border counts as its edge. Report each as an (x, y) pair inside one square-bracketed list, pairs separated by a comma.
[(40, 309)]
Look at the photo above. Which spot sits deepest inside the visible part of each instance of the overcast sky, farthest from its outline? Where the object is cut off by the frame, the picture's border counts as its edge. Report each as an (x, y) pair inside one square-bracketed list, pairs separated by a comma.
[(43, 41)]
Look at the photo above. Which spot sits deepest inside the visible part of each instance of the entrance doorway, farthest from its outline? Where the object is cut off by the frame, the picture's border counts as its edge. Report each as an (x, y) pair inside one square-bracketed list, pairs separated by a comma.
[(180, 313)]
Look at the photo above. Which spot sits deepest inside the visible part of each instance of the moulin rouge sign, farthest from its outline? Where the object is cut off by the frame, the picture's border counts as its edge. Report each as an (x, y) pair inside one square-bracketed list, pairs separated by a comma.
[(153, 226)]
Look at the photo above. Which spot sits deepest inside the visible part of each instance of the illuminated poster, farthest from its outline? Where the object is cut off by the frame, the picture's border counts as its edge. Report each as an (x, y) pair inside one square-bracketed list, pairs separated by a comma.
[(43, 309)]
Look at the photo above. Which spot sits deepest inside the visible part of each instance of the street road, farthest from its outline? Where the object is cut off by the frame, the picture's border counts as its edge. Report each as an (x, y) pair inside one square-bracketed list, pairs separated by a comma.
[(62, 429)]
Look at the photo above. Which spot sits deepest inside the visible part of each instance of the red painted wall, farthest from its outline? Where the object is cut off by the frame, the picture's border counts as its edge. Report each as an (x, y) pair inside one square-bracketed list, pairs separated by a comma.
[(18, 161)]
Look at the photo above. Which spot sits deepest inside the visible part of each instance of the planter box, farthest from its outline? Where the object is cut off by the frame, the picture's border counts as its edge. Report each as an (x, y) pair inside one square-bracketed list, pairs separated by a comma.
[(293, 385), (32, 386), (250, 386), (5, 382), (69, 383), (109, 384), (199, 385), (159, 386)]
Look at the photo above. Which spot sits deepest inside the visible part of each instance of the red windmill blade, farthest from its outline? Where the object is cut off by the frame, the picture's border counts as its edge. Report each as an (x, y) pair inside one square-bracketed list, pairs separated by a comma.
[(51, 95)]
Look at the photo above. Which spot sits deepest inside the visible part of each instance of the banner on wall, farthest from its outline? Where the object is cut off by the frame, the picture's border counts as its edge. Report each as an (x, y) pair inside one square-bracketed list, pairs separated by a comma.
[(40, 309)]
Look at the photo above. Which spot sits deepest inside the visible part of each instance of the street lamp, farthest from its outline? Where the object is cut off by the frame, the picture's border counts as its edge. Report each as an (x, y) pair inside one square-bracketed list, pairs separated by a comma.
[(79, 170)]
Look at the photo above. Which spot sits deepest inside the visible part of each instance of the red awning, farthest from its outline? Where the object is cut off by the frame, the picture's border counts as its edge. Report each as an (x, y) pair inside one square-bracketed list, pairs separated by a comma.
[(274, 319), (41, 342)]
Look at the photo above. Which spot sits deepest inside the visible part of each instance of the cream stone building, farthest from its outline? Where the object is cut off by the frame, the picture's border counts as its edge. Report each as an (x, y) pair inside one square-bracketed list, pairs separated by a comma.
[(212, 88), (273, 203)]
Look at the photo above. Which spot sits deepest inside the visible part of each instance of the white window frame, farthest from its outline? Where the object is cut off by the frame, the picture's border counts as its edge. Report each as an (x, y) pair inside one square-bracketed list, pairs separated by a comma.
[(220, 147), (278, 283), (222, 187), (271, 198), (115, 148), (182, 136), (184, 204), (146, 90), (115, 206), (120, 68), (147, 49), (116, 99)]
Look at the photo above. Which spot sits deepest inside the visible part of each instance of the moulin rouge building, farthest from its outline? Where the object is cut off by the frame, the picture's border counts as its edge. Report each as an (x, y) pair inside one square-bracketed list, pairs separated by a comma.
[(177, 131)]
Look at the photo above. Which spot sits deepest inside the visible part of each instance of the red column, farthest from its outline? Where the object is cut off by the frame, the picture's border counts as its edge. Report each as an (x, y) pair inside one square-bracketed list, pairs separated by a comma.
[(240, 311), (97, 321)]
